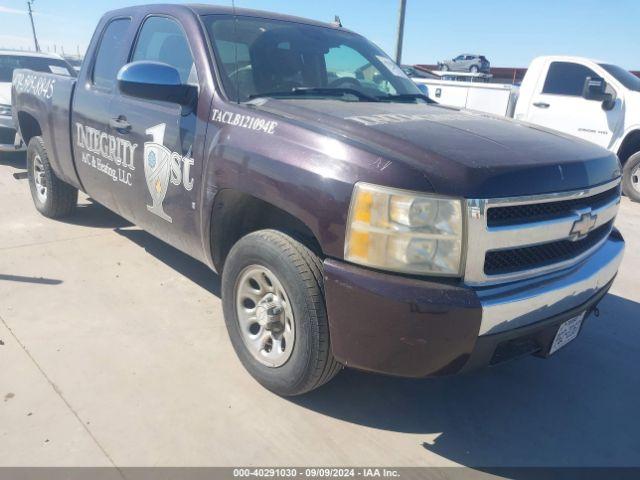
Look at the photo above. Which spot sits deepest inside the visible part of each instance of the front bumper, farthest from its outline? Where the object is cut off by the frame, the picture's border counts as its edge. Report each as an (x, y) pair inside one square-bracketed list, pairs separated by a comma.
[(10, 140), (416, 328)]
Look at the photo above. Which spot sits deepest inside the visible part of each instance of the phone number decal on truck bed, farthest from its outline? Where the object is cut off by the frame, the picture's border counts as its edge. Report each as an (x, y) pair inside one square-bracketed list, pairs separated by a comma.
[(37, 85)]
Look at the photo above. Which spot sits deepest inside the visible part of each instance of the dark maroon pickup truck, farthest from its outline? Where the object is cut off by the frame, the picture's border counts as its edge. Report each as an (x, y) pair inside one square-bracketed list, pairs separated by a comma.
[(354, 221)]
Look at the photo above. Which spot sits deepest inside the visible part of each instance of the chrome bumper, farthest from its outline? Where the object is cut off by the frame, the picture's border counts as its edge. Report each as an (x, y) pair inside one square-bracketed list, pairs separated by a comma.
[(514, 305)]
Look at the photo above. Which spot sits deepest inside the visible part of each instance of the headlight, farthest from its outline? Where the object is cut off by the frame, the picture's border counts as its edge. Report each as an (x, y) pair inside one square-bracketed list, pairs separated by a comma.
[(404, 231), (5, 110)]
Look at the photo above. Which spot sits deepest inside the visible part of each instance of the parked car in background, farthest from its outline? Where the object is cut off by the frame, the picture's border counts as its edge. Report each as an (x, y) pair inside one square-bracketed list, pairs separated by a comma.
[(591, 100), (467, 62), (75, 61), (10, 61)]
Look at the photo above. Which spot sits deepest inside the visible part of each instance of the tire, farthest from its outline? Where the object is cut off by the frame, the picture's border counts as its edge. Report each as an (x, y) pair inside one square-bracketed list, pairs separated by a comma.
[(474, 69), (52, 197), (631, 177), (298, 366), (444, 68)]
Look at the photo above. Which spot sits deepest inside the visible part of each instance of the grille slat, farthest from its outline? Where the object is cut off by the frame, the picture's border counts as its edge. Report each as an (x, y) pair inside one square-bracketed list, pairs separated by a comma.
[(536, 212), (527, 258)]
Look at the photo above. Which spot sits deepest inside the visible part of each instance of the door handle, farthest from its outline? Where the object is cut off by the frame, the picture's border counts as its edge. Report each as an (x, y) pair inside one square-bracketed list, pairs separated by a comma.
[(541, 105), (120, 124)]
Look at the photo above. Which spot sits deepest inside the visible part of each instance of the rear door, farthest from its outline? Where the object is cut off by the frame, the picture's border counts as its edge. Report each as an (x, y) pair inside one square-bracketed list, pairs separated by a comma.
[(163, 188), (102, 159), (558, 104)]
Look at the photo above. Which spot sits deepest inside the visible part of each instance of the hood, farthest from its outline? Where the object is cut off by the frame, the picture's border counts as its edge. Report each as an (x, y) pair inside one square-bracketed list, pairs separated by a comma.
[(5, 93), (461, 153)]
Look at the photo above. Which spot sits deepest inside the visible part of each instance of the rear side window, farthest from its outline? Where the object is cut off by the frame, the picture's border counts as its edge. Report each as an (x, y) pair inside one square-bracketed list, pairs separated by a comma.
[(163, 40), (109, 56), (566, 78)]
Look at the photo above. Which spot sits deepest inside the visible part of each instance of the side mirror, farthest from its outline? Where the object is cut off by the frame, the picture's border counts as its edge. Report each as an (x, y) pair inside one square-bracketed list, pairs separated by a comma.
[(155, 81), (595, 88), (609, 102)]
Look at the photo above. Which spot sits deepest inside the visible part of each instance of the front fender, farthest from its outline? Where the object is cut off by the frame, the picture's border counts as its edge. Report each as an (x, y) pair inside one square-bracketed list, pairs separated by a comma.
[(307, 169), (307, 184)]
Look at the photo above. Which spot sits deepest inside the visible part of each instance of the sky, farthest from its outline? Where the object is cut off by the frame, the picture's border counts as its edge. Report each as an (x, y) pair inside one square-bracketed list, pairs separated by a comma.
[(509, 32)]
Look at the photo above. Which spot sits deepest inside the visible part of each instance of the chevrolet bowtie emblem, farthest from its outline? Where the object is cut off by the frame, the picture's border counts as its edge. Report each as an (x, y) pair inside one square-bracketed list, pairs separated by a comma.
[(583, 226)]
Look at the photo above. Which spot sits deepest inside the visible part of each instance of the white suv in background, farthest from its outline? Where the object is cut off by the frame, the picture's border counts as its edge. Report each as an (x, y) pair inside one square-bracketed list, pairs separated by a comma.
[(9, 61)]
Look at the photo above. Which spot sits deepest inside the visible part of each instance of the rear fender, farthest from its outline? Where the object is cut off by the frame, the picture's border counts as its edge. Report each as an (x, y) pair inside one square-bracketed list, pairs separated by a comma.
[(42, 106)]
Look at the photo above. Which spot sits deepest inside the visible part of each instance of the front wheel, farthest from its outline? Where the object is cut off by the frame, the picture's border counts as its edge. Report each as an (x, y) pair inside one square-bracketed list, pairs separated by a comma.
[(274, 309), (474, 69), (631, 178), (52, 197)]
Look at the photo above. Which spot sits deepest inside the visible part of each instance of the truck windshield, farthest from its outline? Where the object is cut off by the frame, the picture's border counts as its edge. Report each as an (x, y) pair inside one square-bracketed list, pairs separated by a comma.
[(8, 63), (263, 57), (626, 78)]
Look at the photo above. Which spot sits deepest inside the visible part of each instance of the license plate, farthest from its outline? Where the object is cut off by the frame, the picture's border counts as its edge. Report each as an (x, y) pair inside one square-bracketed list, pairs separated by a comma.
[(567, 332)]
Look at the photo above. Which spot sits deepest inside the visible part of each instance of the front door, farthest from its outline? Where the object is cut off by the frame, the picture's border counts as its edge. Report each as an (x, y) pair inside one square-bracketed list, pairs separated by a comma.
[(165, 186), (558, 104)]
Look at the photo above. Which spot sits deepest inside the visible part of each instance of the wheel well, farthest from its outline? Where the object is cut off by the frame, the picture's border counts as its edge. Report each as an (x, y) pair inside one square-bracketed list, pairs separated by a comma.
[(236, 214), (29, 127), (630, 145)]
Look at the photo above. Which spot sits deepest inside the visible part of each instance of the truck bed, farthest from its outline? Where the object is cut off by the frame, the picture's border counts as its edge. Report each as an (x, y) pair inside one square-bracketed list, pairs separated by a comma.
[(45, 99), (495, 98)]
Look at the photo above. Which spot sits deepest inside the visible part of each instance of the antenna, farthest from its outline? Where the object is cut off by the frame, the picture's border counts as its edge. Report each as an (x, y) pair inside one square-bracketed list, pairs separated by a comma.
[(33, 27), (337, 22)]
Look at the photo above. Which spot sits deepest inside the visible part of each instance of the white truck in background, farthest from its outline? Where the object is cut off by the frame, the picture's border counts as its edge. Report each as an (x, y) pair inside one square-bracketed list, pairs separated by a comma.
[(595, 101)]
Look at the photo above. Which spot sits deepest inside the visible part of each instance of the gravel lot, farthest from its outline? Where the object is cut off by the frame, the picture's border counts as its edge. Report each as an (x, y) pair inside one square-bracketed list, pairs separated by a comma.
[(113, 351)]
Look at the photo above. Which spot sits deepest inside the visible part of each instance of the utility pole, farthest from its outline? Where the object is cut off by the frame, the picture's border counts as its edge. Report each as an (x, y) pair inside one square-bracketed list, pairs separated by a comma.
[(33, 26), (401, 16)]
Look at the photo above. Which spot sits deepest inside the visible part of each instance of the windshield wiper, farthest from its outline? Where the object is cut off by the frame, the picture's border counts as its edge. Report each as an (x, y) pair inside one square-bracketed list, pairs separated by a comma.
[(299, 92), (405, 97)]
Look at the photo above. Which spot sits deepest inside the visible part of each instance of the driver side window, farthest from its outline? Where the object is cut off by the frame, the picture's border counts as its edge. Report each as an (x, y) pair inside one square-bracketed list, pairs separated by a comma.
[(566, 79)]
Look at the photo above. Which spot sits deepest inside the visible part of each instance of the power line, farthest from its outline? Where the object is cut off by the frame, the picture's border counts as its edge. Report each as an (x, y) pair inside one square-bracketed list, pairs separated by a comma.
[(400, 40), (33, 26)]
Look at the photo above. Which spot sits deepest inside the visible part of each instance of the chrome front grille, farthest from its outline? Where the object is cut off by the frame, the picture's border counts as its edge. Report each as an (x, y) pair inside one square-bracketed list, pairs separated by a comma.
[(511, 239), (535, 212)]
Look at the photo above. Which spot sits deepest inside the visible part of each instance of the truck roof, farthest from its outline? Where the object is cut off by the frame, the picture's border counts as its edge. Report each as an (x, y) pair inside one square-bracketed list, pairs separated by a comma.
[(21, 53), (568, 58), (205, 9)]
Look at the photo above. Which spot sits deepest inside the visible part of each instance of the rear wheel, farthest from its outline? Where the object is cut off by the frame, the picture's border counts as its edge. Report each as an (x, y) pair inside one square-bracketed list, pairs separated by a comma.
[(52, 197), (444, 68), (631, 178), (273, 300), (474, 69)]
